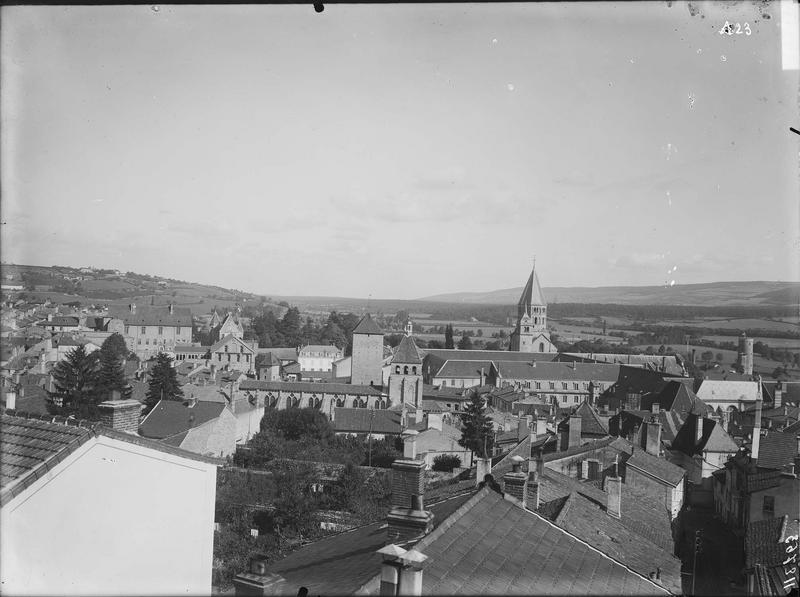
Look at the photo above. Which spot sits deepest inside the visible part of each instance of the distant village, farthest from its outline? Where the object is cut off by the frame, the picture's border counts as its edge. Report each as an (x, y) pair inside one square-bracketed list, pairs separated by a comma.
[(358, 467)]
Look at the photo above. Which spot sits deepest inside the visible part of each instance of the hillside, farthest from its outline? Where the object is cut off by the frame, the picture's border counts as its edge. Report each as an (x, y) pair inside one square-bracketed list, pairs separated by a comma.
[(713, 294)]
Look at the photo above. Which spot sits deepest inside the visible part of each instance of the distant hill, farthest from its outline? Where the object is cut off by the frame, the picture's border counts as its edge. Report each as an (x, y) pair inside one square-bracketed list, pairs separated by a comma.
[(712, 294)]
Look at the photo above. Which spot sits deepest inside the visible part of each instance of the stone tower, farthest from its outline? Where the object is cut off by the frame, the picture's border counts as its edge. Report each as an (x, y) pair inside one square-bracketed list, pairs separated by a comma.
[(367, 357), (745, 357), (405, 375), (530, 334)]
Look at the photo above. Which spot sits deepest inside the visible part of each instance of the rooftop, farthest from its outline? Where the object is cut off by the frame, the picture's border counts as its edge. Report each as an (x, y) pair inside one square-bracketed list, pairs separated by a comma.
[(367, 325), (153, 315), (366, 420), (603, 372), (171, 417), (309, 387)]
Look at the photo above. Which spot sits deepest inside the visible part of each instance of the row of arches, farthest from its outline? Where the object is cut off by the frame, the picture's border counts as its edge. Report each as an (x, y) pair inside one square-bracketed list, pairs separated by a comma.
[(293, 401), (405, 369)]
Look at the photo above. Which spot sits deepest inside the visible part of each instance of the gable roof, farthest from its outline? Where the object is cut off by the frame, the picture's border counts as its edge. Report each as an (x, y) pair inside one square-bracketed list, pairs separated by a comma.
[(153, 315), (32, 446), (362, 420), (491, 545), (677, 397), (590, 420), (367, 325), (226, 339), (713, 439), (714, 390), (547, 370), (656, 467), (407, 352), (309, 387), (170, 417), (467, 369)]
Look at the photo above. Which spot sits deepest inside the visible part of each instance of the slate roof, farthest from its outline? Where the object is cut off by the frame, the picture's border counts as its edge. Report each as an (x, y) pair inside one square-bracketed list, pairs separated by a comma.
[(657, 467), (407, 352), (590, 420), (776, 449), (677, 397), (60, 321), (340, 564), (367, 325), (32, 446), (170, 417), (361, 420), (153, 315), (282, 353), (640, 361), (714, 438), (491, 545), (615, 442), (458, 354), (468, 369), (308, 387), (328, 349), (603, 372), (532, 293), (219, 345), (763, 541)]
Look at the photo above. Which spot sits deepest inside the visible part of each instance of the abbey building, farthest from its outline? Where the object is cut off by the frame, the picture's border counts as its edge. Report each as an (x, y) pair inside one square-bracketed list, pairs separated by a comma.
[(530, 334)]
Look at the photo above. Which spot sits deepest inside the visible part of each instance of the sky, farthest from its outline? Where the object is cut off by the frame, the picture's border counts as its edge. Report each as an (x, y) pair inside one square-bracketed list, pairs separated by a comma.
[(401, 151)]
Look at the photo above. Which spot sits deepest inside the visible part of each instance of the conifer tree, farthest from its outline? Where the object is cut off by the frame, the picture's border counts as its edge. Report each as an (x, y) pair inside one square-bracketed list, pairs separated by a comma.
[(477, 433), (111, 373), (75, 381), (448, 336), (163, 382)]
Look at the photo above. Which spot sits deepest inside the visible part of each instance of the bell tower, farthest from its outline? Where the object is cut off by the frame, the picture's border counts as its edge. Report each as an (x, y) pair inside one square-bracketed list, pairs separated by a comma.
[(531, 333)]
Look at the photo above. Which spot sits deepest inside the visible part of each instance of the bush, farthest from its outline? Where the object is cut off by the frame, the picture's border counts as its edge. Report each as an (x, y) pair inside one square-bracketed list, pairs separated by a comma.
[(446, 462)]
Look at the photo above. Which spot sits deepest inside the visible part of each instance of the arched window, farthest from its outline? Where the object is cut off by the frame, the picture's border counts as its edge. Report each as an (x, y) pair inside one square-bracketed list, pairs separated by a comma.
[(535, 320), (397, 369), (377, 403), (340, 402), (541, 346), (405, 370), (414, 369), (273, 401)]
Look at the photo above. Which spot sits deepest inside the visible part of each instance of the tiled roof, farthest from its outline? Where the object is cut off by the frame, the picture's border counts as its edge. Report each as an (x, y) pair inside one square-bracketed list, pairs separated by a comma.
[(641, 361), (458, 354), (61, 321), (361, 420), (340, 564), (776, 449), (367, 325), (282, 353), (677, 397), (407, 352), (590, 522), (308, 387), (522, 449), (170, 417), (468, 369), (763, 541), (31, 445), (615, 442), (220, 344), (657, 467), (491, 545), (559, 371), (153, 315), (190, 349), (590, 420)]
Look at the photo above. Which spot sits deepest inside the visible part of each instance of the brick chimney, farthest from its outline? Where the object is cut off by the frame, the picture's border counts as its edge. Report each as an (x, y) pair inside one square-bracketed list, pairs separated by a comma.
[(575, 423), (408, 518), (120, 415), (653, 437), (516, 481), (614, 490), (778, 395)]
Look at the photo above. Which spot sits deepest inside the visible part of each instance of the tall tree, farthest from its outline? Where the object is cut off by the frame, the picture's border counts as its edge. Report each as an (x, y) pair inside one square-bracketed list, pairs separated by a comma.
[(290, 327), (465, 343), (448, 336), (477, 433), (75, 380), (163, 382), (115, 344), (111, 373)]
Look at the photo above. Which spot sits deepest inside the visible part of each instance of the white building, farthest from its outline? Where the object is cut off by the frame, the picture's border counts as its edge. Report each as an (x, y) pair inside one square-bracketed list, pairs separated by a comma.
[(316, 357), (83, 510)]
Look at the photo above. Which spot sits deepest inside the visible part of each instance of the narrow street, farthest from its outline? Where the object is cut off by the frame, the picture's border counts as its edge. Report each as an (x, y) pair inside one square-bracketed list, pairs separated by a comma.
[(719, 565)]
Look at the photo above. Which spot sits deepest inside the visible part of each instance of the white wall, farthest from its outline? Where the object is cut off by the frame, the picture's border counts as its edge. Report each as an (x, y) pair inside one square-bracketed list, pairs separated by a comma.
[(112, 518)]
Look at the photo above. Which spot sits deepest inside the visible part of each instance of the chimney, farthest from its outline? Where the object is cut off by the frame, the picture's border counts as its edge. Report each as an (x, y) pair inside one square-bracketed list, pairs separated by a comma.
[(408, 518), (483, 377), (698, 430), (132, 307), (694, 354), (523, 428), (171, 308), (49, 317), (411, 573), (483, 468), (655, 408), (778, 396), (574, 431), (653, 440), (516, 481), (390, 569), (11, 401), (592, 392), (614, 490), (410, 444), (120, 415), (756, 432)]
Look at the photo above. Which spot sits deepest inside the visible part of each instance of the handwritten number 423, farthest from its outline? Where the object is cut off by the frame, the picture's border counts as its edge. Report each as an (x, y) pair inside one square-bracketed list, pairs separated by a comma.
[(735, 29)]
